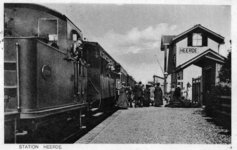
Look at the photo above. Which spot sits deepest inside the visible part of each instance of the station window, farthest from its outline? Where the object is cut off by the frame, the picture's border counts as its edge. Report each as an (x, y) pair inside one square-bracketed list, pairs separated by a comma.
[(197, 39)]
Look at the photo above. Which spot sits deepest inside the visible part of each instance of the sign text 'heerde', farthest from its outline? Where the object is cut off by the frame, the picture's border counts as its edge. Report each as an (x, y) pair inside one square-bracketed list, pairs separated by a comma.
[(188, 50)]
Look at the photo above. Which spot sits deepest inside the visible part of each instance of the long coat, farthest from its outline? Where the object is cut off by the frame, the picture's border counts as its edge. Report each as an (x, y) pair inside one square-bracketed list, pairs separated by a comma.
[(158, 96), (137, 91), (129, 93), (146, 97), (122, 100)]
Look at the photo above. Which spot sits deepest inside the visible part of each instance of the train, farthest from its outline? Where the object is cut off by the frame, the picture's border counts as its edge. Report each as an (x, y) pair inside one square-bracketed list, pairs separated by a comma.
[(53, 77)]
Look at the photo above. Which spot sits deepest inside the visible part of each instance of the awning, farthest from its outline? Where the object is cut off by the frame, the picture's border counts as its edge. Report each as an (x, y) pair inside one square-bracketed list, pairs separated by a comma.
[(202, 59)]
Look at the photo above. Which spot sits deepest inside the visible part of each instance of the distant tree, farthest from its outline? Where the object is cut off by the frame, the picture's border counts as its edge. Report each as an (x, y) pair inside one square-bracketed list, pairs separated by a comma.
[(225, 72)]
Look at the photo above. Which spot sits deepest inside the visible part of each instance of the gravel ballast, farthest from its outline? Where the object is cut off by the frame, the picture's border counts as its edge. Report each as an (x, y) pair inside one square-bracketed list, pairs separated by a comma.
[(162, 125)]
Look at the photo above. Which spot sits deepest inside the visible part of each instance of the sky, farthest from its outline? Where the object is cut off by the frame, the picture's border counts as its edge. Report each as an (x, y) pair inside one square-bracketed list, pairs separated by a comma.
[(131, 33)]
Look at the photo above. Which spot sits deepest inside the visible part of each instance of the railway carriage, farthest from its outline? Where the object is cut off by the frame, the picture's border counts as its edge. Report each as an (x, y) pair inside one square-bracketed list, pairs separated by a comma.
[(130, 81), (122, 75), (101, 76)]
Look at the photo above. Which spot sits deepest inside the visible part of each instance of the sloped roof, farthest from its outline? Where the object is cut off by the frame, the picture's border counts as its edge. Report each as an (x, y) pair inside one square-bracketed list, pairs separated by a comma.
[(165, 40), (208, 54), (168, 39), (216, 37)]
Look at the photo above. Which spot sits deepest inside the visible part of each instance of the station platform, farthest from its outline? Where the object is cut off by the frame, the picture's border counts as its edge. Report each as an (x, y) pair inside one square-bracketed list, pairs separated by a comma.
[(156, 125), (96, 131)]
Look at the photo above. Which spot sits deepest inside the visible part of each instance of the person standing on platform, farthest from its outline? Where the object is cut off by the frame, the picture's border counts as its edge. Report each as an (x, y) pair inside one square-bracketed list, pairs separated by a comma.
[(158, 95), (122, 100), (146, 101), (138, 94), (142, 97), (152, 89), (135, 89), (183, 93), (177, 93), (118, 87), (129, 94), (172, 94)]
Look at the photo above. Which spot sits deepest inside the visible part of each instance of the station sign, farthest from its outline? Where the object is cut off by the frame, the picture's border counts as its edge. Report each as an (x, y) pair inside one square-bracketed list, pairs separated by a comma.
[(188, 50)]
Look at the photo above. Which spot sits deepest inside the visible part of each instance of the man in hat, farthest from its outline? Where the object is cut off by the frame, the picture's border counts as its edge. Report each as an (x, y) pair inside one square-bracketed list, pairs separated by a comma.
[(172, 94), (140, 93), (137, 93), (158, 95), (135, 89), (146, 101), (142, 97)]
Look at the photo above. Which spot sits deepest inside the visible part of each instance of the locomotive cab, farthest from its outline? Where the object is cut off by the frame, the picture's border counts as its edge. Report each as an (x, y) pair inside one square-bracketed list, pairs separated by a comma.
[(45, 82)]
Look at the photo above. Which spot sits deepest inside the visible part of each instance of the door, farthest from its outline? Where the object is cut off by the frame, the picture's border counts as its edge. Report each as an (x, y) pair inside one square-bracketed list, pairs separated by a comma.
[(196, 90), (208, 80), (207, 83)]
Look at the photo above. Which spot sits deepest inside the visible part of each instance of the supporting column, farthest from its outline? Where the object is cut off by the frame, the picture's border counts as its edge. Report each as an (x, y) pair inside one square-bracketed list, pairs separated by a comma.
[(165, 70)]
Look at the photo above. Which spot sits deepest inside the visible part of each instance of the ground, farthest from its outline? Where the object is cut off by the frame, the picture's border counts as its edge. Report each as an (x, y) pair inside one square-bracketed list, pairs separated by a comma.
[(158, 125)]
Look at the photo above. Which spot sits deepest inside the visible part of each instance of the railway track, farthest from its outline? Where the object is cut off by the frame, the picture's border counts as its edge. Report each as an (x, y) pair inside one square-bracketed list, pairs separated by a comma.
[(90, 121), (68, 131)]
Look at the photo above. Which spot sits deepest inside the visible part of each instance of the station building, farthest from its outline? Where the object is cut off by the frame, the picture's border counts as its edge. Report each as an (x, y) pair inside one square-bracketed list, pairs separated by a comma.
[(192, 60)]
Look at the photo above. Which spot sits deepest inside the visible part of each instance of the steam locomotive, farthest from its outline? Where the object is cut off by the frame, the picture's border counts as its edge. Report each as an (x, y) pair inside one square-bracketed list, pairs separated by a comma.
[(52, 76)]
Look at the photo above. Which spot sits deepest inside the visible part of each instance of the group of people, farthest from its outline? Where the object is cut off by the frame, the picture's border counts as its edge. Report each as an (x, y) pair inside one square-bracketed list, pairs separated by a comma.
[(139, 95)]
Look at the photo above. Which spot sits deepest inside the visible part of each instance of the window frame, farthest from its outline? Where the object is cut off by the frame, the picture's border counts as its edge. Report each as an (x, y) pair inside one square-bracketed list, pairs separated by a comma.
[(48, 19), (197, 40)]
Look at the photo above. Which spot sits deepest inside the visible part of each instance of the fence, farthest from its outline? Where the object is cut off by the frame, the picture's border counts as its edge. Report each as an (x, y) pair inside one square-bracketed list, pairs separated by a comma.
[(223, 110)]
